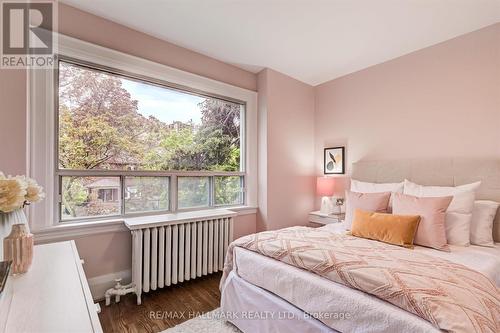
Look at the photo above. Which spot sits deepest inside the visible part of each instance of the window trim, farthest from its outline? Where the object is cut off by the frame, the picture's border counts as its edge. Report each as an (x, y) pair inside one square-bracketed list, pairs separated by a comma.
[(41, 135)]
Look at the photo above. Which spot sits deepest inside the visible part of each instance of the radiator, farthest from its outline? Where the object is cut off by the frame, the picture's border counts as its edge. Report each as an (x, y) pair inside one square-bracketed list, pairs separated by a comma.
[(174, 248)]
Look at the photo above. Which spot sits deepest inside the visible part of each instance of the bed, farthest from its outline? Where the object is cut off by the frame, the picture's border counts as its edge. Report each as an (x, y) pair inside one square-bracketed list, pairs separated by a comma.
[(277, 297)]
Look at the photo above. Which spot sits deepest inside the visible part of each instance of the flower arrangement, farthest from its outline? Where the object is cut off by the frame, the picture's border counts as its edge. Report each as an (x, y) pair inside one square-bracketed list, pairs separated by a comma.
[(17, 192)]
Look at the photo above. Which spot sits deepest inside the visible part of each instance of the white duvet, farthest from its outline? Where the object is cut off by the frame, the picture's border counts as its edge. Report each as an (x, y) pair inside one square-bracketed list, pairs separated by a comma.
[(360, 312)]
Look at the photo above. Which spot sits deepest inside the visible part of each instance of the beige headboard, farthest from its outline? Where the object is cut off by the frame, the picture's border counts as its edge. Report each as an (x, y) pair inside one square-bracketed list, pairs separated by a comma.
[(444, 172)]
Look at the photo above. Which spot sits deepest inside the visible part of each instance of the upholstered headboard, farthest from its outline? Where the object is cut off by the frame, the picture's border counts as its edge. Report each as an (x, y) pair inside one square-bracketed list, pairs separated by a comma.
[(444, 172)]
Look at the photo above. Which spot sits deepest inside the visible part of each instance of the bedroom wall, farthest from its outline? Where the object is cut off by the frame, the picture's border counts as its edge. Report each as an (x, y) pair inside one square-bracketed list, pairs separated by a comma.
[(13, 121), (286, 151), (442, 101)]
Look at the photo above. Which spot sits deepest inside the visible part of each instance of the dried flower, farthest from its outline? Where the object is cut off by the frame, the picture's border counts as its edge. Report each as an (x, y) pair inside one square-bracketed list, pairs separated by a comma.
[(12, 194), (16, 192), (34, 192)]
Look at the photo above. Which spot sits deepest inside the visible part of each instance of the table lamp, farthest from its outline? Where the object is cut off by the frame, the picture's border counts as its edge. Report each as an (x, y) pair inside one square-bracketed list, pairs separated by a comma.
[(325, 188)]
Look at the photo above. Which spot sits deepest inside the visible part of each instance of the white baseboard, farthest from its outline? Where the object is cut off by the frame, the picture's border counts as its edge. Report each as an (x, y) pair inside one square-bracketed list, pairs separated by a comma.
[(99, 284)]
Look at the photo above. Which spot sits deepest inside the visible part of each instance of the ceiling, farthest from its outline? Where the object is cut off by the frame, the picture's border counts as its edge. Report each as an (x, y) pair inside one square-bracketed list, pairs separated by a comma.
[(313, 41)]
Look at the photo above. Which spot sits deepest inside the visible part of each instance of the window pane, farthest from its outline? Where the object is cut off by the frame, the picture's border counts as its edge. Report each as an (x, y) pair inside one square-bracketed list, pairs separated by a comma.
[(193, 192), (228, 190), (146, 194), (108, 121), (89, 197)]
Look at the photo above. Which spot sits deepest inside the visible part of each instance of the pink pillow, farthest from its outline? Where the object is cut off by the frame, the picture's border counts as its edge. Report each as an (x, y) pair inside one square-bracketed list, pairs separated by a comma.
[(370, 202), (431, 230)]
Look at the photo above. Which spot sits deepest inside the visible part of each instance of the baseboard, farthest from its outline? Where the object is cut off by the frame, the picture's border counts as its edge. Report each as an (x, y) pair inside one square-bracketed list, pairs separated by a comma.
[(99, 284)]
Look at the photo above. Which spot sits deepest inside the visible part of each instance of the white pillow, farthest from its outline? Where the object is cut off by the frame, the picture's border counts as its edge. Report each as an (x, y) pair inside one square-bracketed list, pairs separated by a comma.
[(366, 187), (459, 212), (481, 228)]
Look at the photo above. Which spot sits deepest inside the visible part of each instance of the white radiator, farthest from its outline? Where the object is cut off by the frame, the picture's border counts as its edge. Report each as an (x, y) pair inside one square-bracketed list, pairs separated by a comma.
[(172, 248)]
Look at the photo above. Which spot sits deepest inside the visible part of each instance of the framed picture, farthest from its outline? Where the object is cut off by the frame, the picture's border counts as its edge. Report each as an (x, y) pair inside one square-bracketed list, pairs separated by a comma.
[(334, 160)]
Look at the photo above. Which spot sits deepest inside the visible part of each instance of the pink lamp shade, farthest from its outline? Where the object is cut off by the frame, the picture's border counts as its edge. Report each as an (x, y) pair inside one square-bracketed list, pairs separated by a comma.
[(325, 186)]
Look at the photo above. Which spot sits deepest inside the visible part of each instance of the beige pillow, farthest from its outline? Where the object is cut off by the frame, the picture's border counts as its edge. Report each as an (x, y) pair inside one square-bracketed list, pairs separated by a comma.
[(372, 202), (481, 228), (431, 230)]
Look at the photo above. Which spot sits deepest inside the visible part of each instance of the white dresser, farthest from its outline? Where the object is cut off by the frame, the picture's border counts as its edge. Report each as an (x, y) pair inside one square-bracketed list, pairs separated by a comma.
[(54, 295)]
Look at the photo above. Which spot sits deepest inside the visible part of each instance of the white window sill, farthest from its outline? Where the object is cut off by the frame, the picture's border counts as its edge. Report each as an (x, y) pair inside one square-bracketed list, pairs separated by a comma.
[(67, 231)]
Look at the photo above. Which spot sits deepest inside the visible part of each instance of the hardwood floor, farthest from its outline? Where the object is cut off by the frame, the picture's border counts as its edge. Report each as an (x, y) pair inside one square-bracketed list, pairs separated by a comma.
[(163, 308)]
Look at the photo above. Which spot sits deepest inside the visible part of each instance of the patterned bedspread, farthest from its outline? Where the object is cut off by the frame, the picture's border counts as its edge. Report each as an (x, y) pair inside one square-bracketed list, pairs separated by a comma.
[(450, 296)]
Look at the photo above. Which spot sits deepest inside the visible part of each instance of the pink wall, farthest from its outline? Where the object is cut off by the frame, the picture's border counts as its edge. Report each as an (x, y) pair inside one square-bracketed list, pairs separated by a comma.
[(105, 253), (13, 121), (286, 151), (440, 101), (244, 225)]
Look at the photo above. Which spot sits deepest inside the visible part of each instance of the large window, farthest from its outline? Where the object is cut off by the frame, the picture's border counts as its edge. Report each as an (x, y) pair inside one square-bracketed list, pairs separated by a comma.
[(130, 145)]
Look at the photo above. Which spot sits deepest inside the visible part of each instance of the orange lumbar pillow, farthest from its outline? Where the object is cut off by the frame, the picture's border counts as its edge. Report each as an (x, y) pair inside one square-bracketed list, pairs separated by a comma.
[(388, 228)]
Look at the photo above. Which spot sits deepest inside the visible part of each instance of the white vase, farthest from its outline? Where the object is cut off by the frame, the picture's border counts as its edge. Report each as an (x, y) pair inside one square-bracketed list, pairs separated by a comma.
[(7, 220)]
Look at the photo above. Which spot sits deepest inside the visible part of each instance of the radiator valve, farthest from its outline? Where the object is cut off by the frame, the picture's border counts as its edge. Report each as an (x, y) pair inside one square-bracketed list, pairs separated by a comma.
[(118, 290)]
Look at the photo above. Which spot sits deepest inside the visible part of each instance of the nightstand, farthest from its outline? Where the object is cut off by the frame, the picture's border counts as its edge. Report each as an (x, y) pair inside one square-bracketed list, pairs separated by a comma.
[(332, 222), (320, 218)]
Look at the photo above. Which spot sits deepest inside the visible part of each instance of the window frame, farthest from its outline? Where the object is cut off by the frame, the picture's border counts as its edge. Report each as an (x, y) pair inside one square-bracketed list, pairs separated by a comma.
[(41, 151), (122, 174)]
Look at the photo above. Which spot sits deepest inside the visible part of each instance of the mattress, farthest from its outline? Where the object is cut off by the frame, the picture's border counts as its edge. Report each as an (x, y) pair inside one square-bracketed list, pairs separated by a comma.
[(253, 309), (345, 309)]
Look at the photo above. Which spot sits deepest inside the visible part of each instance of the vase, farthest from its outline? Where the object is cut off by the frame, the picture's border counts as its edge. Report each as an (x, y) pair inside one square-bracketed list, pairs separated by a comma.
[(18, 247), (7, 220)]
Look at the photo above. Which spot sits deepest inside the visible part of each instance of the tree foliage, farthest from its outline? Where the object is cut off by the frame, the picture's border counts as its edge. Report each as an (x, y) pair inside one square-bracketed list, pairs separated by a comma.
[(99, 124), (100, 128)]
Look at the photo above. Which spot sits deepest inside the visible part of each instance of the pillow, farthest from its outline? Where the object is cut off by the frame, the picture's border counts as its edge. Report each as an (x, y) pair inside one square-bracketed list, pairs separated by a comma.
[(459, 213), (388, 228), (365, 187), (431, 230), (373, 202), (481, 227)]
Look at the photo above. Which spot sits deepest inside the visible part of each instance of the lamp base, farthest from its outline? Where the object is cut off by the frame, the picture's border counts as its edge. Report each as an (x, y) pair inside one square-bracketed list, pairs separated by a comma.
[(327, 206)]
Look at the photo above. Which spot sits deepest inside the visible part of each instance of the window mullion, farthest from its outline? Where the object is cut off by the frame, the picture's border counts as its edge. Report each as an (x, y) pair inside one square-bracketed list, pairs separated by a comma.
[(58, 197), (211, 187), (243, 191), (173, 195), (122, 193), (146, 173)]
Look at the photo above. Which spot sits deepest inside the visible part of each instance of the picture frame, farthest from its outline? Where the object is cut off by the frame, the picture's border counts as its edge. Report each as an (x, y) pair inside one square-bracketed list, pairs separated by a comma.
[(334, 161)]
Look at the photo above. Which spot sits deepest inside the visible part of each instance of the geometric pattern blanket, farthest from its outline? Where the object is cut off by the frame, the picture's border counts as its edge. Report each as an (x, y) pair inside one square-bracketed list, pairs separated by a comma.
[(450, 296)]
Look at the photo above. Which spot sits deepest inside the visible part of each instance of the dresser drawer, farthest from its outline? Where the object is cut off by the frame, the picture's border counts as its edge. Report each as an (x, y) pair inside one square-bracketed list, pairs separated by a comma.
[(53, 296)]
